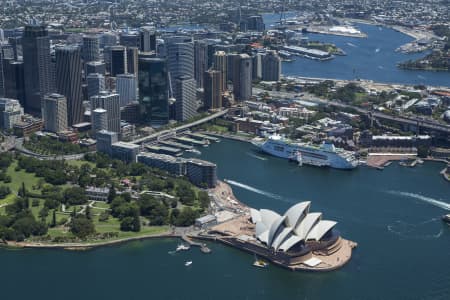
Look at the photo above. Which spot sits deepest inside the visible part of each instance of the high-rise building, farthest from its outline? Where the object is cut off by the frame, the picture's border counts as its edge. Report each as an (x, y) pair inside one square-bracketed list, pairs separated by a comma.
[(230, 65), (95, 84), (180, 57), (36, 59), (185, 95), (132, 60), (68, 81), (105, 139), (111, 103), (154, 90), (200, 61), (257, 66), (54, 113), (213, 89), (95, 67), (99, 118), (10, 112), (118, 58), (130, 40), (14, 81), (126, 85), (220, 64), (255, 23), (91, 48), (108, 39), (271, 66), (148, 39), (242, 77)]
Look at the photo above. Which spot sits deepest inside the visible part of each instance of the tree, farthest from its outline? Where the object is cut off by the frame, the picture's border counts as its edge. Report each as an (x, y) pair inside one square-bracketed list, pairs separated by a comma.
[(4, 191), (81, 226), (53, 223), (186, 217), (112, 193), (203, 198), (88, 212), (75, 196), (43, 213), (130, 224), (186, 193), (22, 190)]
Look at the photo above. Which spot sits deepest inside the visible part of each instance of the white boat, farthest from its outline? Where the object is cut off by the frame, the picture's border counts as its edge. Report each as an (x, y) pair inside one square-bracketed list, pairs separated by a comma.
[(195, 151), (188, 263), (325, 155), (259, 263), (182, 247)]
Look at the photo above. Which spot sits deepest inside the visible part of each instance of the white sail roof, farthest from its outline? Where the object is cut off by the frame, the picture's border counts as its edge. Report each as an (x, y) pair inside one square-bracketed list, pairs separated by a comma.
[(268, 216), (296, 213), (320, 230), (256, 216), (290, 242), (264, 237), (274, 228), (281, 237), (307, 224)]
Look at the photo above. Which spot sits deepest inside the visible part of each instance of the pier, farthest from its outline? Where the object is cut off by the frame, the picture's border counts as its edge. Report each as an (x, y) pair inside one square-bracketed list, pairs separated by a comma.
[(202, 137), (176, 145), (189, 141), (203, 247)]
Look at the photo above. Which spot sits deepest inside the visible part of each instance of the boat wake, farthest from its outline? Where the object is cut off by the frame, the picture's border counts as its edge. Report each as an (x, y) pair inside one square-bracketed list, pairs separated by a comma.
[(380, 67), (377, 50), (414, 231), (255, 190), (437, 203), (255, 156), (421, 77), (352, 45)]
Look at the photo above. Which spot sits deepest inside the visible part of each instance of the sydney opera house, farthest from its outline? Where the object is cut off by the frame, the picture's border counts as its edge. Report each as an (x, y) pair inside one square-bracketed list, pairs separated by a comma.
[(298, 239)]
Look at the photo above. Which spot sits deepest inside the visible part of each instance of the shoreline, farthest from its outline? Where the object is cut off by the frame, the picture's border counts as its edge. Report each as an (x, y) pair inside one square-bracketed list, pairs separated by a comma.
[(88, 245)]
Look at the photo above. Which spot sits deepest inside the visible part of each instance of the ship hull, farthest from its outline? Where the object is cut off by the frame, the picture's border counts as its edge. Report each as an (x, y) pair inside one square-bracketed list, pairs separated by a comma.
[(309, 156)]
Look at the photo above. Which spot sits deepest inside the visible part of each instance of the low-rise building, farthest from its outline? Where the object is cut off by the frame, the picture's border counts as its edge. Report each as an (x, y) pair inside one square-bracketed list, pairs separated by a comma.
[(173, 165), (97, 194), (201, 172), (125, 151)]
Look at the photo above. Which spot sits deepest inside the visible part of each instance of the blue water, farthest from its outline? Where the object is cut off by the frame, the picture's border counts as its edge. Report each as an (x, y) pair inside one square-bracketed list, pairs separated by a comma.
[(373, 58), (403, 247)]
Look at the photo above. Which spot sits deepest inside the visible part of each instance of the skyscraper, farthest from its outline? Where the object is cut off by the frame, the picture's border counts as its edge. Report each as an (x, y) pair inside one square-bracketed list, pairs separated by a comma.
[(118, 60), (111, 103), (126, 86), (213, 89), (91, 48), (54, 112), (95, 67), (180, 57), (220, 64), (271, 66), (154, 90), (36, 59), (130, 40), (95, 84), (99, 118), (242, 77), (148, 39), (185, 95), (200, 61), (132, 60), (14, 81), (257, 66), (68, 81)]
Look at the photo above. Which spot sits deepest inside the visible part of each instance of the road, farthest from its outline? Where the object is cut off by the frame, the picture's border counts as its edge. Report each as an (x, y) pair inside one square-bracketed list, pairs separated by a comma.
[(409, 120), (19, 147), (180, 128)]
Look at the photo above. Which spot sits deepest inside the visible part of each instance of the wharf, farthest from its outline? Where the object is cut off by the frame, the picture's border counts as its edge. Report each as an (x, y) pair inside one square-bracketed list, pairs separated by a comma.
[(201, 137), (380, 160), (203, 247), (189, 141), (176, 145), (164, 150)]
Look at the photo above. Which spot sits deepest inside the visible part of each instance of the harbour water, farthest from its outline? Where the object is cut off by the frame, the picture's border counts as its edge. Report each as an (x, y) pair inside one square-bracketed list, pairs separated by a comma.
[(403, 247), (372, 58)]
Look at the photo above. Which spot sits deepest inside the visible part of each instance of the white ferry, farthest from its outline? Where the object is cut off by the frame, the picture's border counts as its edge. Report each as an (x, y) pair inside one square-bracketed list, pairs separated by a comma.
[(325, 155)]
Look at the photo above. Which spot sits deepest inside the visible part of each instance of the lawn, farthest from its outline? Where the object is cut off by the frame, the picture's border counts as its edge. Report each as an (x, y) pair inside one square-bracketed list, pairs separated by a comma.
[(79, 163)]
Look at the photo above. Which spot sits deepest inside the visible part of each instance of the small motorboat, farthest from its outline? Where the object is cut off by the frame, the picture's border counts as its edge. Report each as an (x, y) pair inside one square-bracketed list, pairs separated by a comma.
[(182, 247), (259, 263), (446, 218), (188, 263)]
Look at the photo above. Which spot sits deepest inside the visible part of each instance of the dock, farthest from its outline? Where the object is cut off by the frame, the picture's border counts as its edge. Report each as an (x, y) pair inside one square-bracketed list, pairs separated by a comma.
[(189, 141), (203, 247), (176, 145), (202, 137), (164, 150)]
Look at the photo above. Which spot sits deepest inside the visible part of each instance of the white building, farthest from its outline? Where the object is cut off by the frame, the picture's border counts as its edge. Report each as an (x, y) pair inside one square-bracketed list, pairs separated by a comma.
[(10, 112), (54, 113), (126, 86)]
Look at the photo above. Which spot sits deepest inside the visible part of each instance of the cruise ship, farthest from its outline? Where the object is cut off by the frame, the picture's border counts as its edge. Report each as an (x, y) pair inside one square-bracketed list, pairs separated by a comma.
[(325, 155)]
